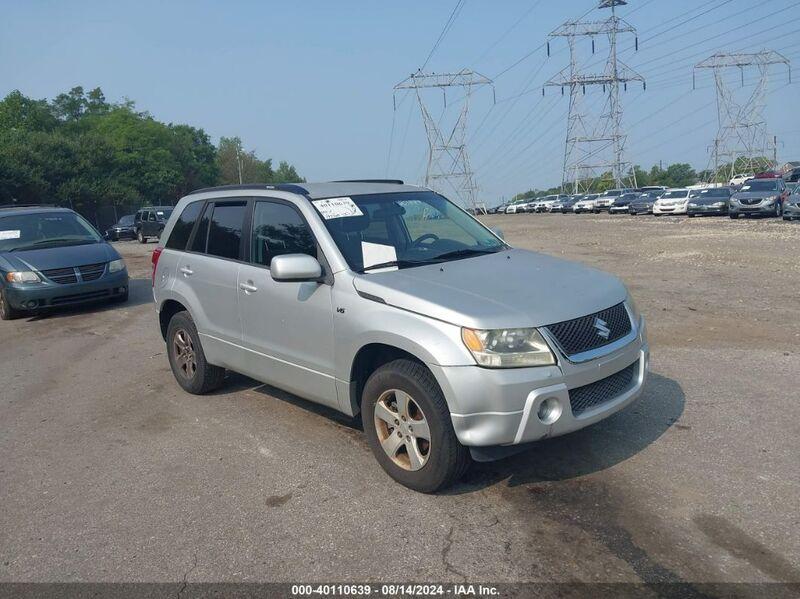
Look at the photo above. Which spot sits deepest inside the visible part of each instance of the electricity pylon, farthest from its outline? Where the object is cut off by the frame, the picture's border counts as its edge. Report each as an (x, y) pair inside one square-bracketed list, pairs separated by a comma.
[(742, 142), (448, 160), (595, 143)]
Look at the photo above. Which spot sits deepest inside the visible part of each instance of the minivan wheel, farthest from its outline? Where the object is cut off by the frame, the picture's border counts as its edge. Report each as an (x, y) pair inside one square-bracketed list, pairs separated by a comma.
[(140, 236), (186, 357), (409, 429), (7, 312)]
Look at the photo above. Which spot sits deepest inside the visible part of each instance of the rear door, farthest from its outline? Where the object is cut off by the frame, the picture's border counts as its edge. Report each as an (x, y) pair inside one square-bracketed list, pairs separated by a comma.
[(287, 326), (207, 277)]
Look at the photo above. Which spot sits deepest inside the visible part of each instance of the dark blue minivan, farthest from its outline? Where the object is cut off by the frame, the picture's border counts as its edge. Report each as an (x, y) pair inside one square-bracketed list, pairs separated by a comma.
[(53, 257)]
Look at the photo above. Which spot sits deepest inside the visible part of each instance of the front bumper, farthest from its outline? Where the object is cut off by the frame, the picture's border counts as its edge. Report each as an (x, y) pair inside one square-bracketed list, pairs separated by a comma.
[(678, 209), (50, 295), (791, 211), (618, 209), (766, 209), (491, 407), (707, 210)]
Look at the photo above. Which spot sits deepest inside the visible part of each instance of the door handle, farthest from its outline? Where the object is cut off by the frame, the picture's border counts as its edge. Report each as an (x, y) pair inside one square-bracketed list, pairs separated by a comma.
[(248, 287), (186, 271)]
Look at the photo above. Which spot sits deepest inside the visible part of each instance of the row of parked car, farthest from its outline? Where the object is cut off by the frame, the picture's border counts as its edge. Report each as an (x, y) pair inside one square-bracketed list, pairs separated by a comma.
[(761, 196)]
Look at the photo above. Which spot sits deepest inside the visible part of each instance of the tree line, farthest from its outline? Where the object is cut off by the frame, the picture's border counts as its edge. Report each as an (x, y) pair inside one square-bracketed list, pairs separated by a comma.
[(83, 151)]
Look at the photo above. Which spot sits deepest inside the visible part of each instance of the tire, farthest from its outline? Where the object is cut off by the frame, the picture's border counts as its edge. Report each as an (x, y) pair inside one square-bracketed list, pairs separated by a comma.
[(140, 236), (778, 209), (7, 312), (442, 460), (788, 218), (692, 215), (733, 216), (191, 370), (121, 299)]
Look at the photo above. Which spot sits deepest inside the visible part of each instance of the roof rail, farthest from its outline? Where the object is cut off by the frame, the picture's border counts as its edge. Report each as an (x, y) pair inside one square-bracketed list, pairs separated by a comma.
[(290, 187), (391, 181)]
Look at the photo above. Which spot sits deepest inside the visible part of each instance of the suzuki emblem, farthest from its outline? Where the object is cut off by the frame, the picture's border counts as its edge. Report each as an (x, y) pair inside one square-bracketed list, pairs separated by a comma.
[(602, 328)]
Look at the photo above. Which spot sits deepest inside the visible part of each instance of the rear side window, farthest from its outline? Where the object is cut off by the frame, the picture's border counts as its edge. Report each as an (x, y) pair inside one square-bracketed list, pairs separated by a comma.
[(201, 237), (183, 226), (225, 230), (278, 229)]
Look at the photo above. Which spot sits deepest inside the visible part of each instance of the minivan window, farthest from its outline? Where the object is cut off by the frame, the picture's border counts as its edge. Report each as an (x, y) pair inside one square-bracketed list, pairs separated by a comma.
[(183, 226), (278, 229), (225, 232), (413, 228)]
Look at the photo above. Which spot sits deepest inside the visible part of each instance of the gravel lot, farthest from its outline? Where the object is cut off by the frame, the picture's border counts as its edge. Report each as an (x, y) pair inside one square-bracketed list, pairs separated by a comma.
[(109, 472)]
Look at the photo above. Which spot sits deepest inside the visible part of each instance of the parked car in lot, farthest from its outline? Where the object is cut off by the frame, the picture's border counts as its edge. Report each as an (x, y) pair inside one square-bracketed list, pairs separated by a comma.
[(791, 207), (710, 200), (546, 203), (516, 207), (150, 221), (621, 205), (585, 204), (672, 201), (447, 341), (501, 209), (564, 205), (123, 229), (763, 197), (51, 257), (738, 180), (604, 201), (643, 204)]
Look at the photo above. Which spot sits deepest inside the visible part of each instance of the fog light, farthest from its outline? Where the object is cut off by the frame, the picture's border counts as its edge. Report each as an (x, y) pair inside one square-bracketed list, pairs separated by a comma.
[(549, 410), (31, 304)]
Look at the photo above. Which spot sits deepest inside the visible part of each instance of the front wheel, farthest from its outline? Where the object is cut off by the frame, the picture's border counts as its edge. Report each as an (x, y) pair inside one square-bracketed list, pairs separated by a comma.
[(7, 312), (409, 428), (733, 216), (187, 359), (140, 236), (778, 209)]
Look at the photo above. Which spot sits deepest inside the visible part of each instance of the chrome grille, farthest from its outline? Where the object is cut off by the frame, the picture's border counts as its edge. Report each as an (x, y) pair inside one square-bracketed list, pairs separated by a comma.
[(92, 272), (581, 334), (599, 392), (63, 276)]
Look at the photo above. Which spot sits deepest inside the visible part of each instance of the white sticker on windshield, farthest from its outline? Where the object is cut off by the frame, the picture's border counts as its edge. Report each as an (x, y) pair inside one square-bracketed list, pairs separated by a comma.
[(376, 253), (9, 235), (337, 208)]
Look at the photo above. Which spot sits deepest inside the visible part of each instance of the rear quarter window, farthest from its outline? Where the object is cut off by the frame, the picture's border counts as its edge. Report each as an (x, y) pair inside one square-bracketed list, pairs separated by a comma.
[(183, 226)]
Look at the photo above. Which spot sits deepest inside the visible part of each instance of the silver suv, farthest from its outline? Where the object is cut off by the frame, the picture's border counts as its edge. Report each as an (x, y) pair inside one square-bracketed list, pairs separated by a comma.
[(390, 301)]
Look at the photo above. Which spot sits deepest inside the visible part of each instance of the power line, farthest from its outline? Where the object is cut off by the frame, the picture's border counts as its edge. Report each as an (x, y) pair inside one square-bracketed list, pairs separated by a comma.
[(509, 30), (445, 29)]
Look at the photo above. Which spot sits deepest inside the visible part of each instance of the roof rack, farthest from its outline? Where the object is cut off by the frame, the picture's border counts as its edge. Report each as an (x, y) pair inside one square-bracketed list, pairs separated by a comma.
[(290, 187), (390, 181)]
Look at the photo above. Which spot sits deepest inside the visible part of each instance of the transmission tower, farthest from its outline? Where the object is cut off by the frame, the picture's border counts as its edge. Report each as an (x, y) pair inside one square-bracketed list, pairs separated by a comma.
[(448, 161), (742, 142), (595, 143)]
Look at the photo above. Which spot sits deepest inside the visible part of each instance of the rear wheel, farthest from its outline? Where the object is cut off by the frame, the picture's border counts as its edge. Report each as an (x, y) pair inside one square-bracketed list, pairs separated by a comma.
[(7, 312), (409, 428), (187, 359)]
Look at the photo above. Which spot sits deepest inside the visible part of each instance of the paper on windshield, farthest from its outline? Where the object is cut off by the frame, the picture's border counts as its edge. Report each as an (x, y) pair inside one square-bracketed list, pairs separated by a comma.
[(377, 253), (9, 235), (337, 208)]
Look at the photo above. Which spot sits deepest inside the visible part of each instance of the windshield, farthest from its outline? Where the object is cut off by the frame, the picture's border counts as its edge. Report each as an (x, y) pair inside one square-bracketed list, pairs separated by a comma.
[(716, 192), (678, 193), (760, 185), (403, 230), (125, 221), (44, 229)]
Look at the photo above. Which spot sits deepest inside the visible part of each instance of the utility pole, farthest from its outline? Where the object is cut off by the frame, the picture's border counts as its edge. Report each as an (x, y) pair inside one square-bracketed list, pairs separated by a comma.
[(595, 143), (448, 160), (239, 158), (742, 143)]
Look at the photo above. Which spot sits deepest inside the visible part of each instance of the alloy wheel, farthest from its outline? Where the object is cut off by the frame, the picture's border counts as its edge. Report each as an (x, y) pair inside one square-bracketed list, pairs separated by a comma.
[(183, 349), (402, 429)]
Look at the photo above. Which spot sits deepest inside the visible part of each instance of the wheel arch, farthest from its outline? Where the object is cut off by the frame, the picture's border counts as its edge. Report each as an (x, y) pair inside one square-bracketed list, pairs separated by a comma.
[(168, 309)]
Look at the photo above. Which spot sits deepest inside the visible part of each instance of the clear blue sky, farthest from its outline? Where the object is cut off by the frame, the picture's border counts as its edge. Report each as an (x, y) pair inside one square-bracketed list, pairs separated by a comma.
[(311, 82)]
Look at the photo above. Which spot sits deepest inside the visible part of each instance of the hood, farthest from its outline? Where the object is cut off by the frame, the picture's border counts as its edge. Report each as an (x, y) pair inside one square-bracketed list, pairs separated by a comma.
[(510, 289), (60, 257)]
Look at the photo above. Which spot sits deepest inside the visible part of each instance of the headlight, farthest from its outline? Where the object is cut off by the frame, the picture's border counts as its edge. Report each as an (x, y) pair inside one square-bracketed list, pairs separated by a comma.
[(23, 276), (692, 204), (116, 265), (508, 348)]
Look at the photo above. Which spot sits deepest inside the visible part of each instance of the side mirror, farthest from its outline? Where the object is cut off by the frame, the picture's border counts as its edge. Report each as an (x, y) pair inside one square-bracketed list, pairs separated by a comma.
[(295, 267), (498, 232)]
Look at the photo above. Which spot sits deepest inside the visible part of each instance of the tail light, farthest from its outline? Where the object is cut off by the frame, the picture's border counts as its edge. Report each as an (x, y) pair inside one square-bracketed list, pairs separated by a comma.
[(154, 260)]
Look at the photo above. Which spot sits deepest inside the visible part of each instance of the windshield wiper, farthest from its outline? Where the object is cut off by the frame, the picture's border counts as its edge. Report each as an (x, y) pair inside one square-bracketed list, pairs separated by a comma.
[(397, 263), (63, 240), (463, 253)]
